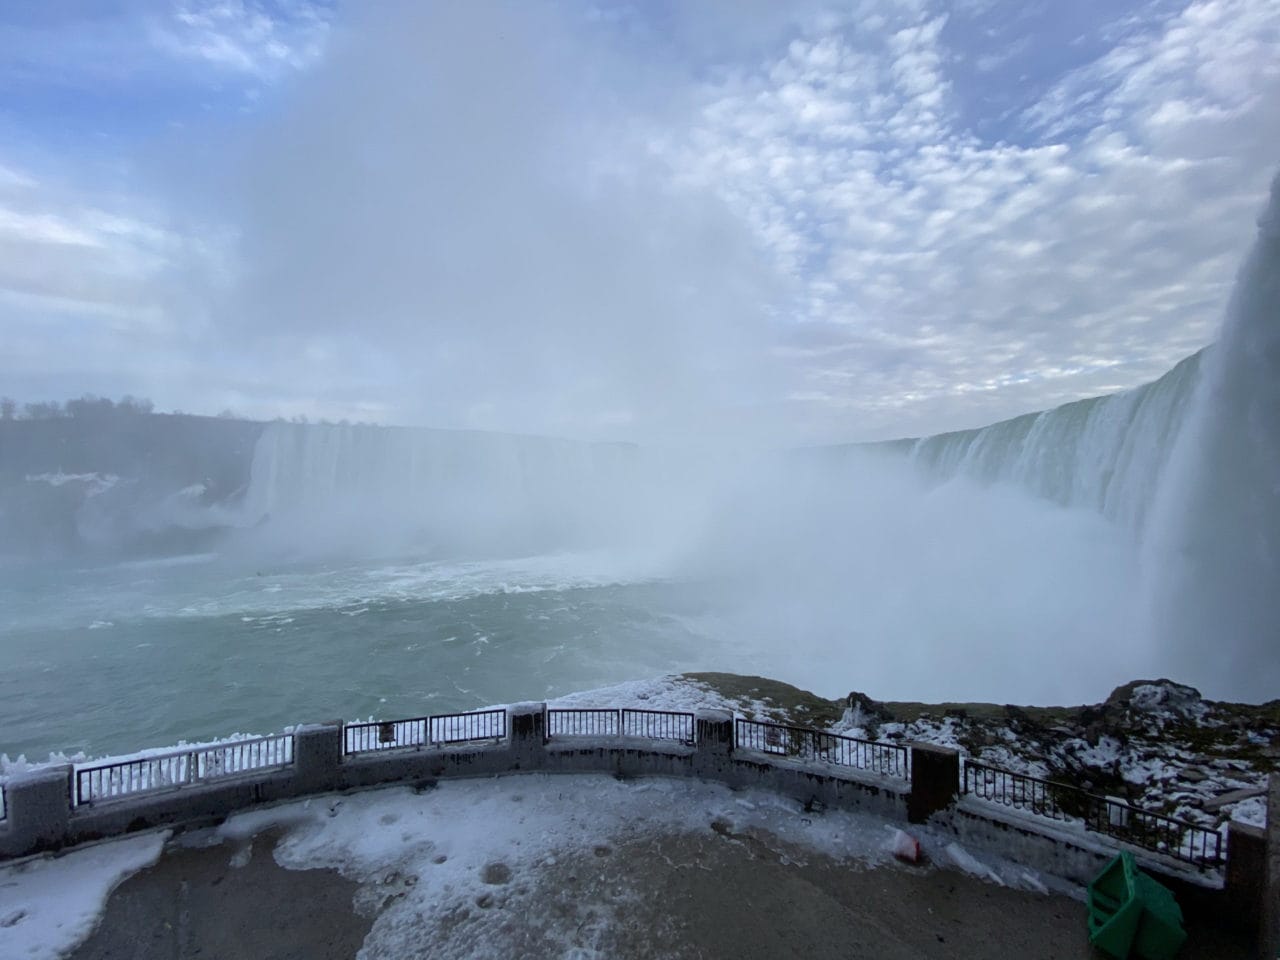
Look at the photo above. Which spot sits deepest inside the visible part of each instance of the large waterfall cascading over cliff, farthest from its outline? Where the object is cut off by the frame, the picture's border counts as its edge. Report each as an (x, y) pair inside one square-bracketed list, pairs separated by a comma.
[(1106, 454), (1191, 465), (1167, 558), (1212, 554), (382, 487)]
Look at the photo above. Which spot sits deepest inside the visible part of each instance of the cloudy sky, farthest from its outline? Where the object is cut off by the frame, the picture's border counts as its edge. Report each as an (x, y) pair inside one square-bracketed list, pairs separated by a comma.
[(800, 221)]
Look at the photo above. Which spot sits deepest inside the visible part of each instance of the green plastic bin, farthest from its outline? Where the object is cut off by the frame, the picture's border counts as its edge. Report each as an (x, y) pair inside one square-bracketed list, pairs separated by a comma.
[(1160, 934), (1114, 908), (1131, 915)]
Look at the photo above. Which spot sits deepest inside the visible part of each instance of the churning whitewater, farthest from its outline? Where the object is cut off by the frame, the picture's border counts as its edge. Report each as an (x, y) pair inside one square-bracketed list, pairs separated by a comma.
[(346, 571)]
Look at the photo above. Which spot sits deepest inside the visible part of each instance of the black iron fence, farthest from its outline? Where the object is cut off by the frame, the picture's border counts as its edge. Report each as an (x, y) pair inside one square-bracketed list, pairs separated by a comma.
[(1191, 843), (1198, 845), (584, 722), (126, 778), (803, 743), (424, 731), (658, 725)]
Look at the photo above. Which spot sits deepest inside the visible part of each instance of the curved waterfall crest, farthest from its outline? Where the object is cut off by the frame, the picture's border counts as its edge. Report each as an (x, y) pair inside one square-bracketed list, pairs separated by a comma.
[(1106, 453)]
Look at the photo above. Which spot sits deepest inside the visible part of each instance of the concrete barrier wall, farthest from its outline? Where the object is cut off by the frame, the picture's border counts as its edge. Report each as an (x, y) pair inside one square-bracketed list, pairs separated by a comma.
[(1270, 937), (41, 816), (1069, 851)]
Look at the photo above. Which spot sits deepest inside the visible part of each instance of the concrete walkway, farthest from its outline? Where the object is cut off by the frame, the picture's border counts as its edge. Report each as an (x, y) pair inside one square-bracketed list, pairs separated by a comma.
[(708, 894)]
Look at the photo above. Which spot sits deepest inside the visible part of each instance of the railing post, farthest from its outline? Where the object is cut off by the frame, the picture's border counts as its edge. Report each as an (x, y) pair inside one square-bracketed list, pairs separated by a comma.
[(317, 757), (713, 730), (1245, 881), (935, 780), (527, 727), (38, 809), (1270, 927)]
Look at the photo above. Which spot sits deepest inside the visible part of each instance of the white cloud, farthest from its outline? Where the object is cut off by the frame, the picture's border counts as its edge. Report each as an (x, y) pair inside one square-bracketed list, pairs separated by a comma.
[(243, 36), (481, 216), (958, 280)]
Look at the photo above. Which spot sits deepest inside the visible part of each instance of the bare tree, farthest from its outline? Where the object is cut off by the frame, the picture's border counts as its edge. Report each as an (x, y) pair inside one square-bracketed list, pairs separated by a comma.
[(44, 410)]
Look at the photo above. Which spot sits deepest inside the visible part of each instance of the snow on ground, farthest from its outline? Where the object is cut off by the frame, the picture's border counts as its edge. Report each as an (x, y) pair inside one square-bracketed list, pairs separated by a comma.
[(50, 904), (661, 693), (1164, 748), (440, 855), (431, 860), (1252, 811)]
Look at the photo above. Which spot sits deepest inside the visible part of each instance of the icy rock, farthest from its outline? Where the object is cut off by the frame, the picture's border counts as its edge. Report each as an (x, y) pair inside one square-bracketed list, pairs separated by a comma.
[(1167, 697), (1234, 796)]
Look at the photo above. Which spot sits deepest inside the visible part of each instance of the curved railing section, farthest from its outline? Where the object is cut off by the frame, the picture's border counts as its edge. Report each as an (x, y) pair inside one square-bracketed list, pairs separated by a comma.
[(114, 779), (56, 806), (1191, 843)]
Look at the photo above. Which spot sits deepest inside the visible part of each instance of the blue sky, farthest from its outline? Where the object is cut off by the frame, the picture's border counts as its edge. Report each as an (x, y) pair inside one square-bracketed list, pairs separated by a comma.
[(805, 221)]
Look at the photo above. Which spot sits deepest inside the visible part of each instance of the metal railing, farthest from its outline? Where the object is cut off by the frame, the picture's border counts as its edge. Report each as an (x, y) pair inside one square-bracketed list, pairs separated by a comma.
[(658, 725), (424, 731), (1191, 843), (1194, 844), (584, 722), (804, 743), (126, 778)]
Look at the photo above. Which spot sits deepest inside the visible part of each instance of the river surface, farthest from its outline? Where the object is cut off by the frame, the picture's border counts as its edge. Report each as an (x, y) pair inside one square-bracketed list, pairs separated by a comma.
[(113, 659)]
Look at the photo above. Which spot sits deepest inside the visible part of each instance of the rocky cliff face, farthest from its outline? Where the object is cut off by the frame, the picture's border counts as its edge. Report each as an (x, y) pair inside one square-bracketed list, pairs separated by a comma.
[(1158, 744)]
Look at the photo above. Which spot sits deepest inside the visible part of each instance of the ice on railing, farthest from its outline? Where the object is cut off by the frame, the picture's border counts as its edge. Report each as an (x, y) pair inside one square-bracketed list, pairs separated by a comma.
[(658, 725), (119, 778), (584, 722), (1195, 844), (461, 727), (375, 735), (803, 743)]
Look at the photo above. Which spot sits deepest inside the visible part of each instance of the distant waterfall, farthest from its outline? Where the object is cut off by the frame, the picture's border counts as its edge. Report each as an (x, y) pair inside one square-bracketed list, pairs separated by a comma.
[(1106, 453), (354, 486)]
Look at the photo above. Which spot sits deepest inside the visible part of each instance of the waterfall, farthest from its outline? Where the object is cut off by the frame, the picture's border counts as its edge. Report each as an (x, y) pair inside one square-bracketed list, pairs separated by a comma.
[(456, 491), (1106, 454), (1190, 465), (1212, 556)]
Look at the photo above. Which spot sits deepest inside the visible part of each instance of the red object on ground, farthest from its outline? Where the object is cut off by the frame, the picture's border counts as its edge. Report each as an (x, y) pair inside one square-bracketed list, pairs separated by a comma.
[(906, 847)]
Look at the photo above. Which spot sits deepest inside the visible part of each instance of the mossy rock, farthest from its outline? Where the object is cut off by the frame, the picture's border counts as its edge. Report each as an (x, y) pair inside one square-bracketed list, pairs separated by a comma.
[(782, 702)]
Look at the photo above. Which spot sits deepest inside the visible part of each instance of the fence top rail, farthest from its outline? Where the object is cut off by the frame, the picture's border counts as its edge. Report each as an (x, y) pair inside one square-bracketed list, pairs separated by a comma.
[(467, 713), (357, 724), (661, 713), (363, 724), (110, 762), (587, 709), (900, 747), (1080, 791)]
